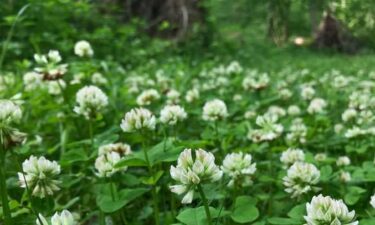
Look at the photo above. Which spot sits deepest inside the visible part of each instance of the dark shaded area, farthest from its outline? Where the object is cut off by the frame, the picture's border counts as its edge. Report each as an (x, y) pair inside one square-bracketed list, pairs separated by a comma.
[(333, 34)]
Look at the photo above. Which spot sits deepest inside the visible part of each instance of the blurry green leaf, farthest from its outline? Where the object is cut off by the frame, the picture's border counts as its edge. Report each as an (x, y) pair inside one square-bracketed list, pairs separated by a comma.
[(197, 216), (107, 205), (72, 156), (298, 211), (283, 221), (244, 210)]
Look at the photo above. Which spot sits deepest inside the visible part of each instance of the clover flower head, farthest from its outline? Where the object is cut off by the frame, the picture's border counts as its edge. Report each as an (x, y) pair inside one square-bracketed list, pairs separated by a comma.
[(121, 148), (255, 81), (325, 210), (307, 92), (192, 95), (269, 129), (292, 155), (214, 110), (90, 100), (49, 65), (138, 119), (239, 168), (191, 172), (372, 201), (301, 178), (343, 161), (39, 176), (32, 81), (171, 114), (63, 218), (10, 112), (317, 105), (105, 164), (83, 49), (173, 96), (147, 97)]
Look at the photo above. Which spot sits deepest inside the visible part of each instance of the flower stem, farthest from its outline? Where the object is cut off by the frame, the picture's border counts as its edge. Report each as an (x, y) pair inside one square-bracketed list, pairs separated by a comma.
[(153, 188), (27, 188), (114, 195), (3, 188), (205, 204), (91, 133)]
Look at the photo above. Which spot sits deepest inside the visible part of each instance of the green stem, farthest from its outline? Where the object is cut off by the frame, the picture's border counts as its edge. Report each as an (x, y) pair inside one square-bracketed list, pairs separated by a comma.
[(10, 34), (114, 195), (27, 189), (173, 207), (101, 218), (3, 188), (153, 188), (91, 133), (70, 106), (217, 138), (205, 204)]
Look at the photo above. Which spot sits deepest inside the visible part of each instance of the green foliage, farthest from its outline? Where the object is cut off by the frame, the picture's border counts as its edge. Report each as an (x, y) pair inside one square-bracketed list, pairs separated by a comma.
[(123, 52)]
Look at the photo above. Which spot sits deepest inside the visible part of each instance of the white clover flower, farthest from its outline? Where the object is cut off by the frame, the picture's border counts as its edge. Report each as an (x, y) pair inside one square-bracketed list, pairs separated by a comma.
[(285, 93), (355, 132), (349, 114), (292, 155), (250, 114), (54, 56), (63, 218), (343, 161), (340, 81), (105, 164), (255, 81), (214, 110), (345, 176), (301, 178), (83, 49), (171, 114), (55, 86), (39, 174), (6, 81), (294, 110), (372, 201), (325, 210), (307, 92), (320, 157), (365, 117), (190, 172), (9, 112), (192, 95), (338, 128), (298, 131), (147, 97), (33, 81), (237, 97), (138, 119), (108, 156), (90, 101), (317, 105), (234, 68), (42, 221), (276, 111), (360, 100), (121, 148), (49, 65), (77, 78), (98, 79), (269, 131), (173, 96), (239, 168)]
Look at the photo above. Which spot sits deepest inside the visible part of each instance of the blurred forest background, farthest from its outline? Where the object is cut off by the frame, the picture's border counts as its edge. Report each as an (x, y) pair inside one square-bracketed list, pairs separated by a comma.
[(130, 32)]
